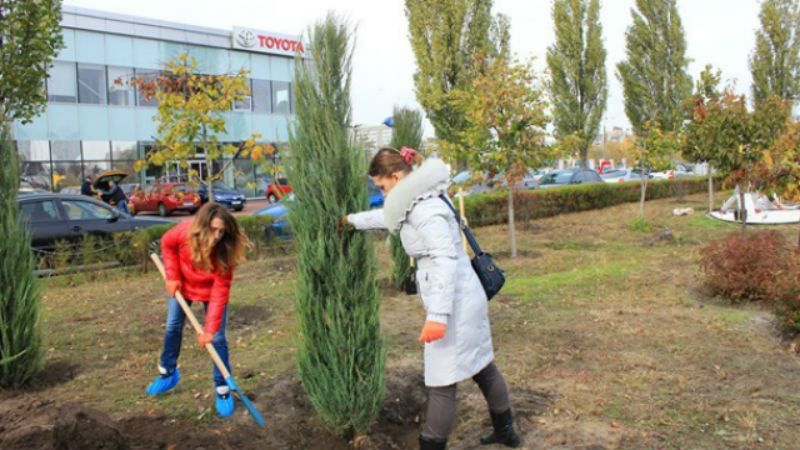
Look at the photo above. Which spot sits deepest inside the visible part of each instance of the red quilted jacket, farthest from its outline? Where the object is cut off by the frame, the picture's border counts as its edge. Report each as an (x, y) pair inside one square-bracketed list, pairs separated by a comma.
[(196, 285)]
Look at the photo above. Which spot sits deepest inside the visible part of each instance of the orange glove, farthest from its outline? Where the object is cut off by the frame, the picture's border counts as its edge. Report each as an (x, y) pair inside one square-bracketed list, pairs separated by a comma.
[(204, 338), (432, 331), (173, 286)]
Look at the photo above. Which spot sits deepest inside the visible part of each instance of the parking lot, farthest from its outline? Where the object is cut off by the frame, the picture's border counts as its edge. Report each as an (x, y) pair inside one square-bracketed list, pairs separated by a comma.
[(249, 207)]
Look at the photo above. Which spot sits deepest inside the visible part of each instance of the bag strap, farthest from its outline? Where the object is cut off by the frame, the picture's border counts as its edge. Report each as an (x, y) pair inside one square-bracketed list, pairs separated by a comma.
[(476, 249)]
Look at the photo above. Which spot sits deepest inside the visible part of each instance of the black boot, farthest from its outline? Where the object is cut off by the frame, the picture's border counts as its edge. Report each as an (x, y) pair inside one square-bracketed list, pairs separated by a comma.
[(504, 433), (430, 444)]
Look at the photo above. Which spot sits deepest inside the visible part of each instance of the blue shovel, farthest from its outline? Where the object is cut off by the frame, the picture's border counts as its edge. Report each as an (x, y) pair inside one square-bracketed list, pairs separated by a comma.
[(211, 350)]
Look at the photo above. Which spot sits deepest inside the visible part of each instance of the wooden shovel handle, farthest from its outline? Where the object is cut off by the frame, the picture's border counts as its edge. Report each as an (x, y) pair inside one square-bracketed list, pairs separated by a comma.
[(195, 324)]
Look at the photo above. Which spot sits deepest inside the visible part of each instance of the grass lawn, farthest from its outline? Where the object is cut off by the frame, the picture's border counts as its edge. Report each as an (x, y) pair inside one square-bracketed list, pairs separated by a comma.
[(605, 337)]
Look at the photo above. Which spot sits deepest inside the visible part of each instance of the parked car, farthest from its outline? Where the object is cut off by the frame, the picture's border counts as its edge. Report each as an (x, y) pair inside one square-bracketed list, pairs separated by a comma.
[(277, 189), (279, 212), (621, 175), (53, 217), (375, 195), (569, 176), (223, 195), (164, 198), (461, 177), (537, 174)]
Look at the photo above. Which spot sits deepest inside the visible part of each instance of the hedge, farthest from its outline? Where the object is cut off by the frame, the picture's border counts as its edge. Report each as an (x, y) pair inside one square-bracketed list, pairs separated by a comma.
[(492, 208), (133, 249)]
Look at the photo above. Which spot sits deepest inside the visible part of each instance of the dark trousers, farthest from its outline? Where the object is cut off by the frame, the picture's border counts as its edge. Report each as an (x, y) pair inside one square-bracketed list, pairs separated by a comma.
[(442, 402)]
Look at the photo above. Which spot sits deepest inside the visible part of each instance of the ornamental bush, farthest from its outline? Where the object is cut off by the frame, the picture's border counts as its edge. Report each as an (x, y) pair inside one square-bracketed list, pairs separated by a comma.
[(757, 266), (491, 208)]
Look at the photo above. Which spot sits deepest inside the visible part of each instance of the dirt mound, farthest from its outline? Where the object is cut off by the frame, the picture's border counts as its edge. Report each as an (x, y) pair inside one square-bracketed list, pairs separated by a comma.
[(28, 423)]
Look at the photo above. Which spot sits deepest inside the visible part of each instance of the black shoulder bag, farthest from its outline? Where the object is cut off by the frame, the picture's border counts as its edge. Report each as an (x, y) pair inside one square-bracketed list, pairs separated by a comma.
[(491, 276)]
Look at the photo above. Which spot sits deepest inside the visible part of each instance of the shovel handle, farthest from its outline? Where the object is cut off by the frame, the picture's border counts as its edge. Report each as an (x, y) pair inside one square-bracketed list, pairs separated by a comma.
[(195, 324)]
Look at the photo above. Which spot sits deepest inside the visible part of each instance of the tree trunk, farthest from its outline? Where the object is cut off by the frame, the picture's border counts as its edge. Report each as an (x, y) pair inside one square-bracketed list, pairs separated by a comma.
[(644, 192), (512, 235), (742, 208), (710, 190), (210, 178)]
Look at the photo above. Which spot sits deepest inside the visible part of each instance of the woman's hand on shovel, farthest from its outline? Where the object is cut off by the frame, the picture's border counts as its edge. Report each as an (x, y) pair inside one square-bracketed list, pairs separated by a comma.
[(204, 338), (173, 286)]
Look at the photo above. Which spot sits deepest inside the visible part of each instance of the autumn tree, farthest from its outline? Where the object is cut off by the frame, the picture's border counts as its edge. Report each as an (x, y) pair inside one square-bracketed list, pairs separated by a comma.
[(705, 134), (577, 64), (450, 39), (775, 61), (30, 38), (506, 126), (653, 75), (190, 116), (654, 149)]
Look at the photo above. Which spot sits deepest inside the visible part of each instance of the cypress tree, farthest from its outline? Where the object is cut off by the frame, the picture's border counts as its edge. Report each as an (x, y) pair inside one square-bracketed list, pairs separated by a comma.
[(577, 63), (654, 77), (775, 62), (20, 341), (30, 37), (341, 358), (407, 132)]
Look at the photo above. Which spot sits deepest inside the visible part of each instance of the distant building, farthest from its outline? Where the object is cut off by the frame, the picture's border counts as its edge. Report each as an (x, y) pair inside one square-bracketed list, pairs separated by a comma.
[(372, 137), (97, 120), (614, 134)]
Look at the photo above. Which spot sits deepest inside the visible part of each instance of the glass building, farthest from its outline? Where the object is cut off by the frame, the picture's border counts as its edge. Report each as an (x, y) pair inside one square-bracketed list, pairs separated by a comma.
[(96, 121)]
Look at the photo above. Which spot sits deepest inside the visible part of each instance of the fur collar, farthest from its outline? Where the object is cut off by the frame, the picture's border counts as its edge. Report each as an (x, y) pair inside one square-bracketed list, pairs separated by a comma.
[(428, 180)]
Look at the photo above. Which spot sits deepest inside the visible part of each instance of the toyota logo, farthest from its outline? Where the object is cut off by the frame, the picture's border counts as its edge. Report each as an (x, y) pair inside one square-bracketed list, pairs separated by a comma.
[(246, 38)]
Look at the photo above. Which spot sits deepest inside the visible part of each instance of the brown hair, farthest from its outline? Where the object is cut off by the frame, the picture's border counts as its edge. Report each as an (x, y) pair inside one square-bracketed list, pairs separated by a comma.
[(228, 252), (388, 161)]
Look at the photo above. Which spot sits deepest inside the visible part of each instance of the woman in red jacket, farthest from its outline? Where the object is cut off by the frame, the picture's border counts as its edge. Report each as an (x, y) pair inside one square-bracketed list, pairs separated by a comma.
[(200, 256)]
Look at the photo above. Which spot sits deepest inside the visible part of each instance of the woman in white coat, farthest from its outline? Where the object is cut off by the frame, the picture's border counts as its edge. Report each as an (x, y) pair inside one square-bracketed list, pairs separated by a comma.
[(457, 335)]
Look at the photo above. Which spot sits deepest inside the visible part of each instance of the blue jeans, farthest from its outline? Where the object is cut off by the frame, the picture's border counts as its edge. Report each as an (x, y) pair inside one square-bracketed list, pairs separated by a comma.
[(122, 205), (174, 333)]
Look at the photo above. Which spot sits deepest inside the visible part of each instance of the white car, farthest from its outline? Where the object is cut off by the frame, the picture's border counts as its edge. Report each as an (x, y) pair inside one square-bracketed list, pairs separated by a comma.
[(621, 175)]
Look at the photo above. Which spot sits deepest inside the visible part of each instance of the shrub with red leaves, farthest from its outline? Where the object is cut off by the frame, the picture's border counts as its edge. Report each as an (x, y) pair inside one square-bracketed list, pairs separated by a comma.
[(756, 266)]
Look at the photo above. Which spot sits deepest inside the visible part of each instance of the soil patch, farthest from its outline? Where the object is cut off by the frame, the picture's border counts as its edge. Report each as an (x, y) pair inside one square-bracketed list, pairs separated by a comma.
[(29, 422)]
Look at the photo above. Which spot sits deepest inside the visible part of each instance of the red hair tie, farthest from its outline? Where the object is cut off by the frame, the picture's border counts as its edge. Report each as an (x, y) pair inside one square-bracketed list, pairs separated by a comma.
[(408, 154)]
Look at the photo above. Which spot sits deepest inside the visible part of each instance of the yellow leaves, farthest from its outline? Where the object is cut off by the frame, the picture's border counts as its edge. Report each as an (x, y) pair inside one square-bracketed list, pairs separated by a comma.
[(257, 153)]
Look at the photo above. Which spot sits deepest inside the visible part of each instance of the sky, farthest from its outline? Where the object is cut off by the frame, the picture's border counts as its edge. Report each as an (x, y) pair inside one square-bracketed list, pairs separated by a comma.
[(718, 32)]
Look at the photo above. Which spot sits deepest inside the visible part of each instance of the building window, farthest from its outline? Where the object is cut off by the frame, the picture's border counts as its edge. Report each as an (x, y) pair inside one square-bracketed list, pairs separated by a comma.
[(95, 168), (281, 103), (262, 96), (67, 177), (128, 167), (147, 76), (35, 174), (66, 150), (245, 104), (91, 84), (120, 91), (62, 85), (124, 150), (95, 150), (34, 150)]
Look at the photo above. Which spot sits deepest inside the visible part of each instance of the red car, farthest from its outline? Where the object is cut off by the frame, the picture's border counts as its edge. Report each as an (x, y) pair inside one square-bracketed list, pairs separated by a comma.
[(277, 189), (164, 198)]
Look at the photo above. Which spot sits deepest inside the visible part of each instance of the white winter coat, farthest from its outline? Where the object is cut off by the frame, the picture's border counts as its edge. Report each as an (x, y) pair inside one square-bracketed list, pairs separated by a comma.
[(448, 286)]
